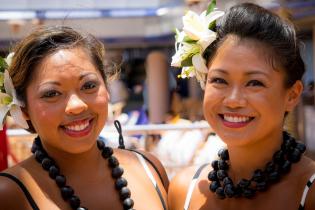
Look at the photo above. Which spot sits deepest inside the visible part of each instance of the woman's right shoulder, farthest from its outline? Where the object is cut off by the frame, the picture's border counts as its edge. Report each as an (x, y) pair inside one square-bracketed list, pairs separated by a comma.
[(11, 194), (178, 188)]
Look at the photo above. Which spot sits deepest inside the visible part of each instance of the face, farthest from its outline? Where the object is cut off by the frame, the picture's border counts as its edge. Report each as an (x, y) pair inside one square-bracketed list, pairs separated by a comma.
[(67, 101), (245, 99)]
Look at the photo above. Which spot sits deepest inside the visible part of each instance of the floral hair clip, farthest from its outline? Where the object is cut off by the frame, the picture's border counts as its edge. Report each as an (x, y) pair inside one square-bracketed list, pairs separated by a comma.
[(8, 99), (191, 43)]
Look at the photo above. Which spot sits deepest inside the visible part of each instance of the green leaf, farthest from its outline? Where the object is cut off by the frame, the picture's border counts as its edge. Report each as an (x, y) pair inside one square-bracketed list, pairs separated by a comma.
[(212, 26), (3, 64), (211, 6)]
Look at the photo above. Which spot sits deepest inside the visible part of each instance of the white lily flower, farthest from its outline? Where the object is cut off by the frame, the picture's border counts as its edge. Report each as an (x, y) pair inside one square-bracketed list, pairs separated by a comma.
[(184, 51), (9, 58), (197, 27), (9, 102)]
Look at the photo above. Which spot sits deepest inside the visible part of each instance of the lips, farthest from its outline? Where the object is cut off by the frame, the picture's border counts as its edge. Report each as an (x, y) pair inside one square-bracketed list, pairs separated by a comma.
[(235, 121), (78, 128)]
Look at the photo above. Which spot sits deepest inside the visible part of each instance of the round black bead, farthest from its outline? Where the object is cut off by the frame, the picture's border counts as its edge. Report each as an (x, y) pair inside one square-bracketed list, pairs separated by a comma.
[(39, 155), (120, 183), (117, 172), (214, 164), (227, 181), (113, 162), (128, 203), (60, 180), (295, 155), (53, 171), (222, 165), (261, 186), (278, 157), (47, 163), (273, 176), (124, 193), (248, 192), (221, 174), (258, 176), (223, 154), (212, 176), (74, 202), (244, 183), (107, 152), (229, 190), (214, 186), (66, 192), (270, 167), (100, 144), (286, 166), (300, 146), (220, 192), (34, 148)]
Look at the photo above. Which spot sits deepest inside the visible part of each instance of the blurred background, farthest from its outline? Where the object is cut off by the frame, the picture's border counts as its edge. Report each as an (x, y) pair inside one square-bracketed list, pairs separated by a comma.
[(159, 112)]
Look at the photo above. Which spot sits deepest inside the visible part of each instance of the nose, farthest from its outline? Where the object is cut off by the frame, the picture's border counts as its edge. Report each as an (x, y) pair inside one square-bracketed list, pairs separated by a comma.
[(75, 105), (235, 98)]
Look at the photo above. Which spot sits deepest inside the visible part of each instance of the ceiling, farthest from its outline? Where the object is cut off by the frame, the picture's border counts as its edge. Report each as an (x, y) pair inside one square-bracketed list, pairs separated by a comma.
[(120, 23)]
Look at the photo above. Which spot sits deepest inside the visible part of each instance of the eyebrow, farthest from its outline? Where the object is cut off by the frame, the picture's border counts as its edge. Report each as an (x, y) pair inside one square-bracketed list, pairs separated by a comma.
[(251, 72), (82, 76)]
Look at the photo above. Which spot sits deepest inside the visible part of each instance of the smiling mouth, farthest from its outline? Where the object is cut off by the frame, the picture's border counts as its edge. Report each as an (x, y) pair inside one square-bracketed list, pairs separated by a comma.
[(78, 128), (235, 121)]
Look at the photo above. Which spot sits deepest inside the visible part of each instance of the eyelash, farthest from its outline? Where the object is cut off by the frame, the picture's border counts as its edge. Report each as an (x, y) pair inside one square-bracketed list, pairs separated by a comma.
[(217, 80), (51, 94), (251, 83), (255, 83), (89, 85)]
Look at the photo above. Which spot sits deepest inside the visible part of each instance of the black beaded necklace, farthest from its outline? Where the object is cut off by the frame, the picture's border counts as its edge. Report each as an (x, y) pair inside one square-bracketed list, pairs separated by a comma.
[(222, 185), (67, 192)]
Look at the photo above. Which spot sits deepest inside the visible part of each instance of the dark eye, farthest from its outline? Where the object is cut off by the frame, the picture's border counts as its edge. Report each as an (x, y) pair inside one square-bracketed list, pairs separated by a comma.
[(217, 80), (255, 83), (51, 94), (89, 85)]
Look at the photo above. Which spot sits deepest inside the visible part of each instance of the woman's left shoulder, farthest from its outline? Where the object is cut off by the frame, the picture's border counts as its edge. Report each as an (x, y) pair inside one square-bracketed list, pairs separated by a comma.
[(153, 163), (307, 178)]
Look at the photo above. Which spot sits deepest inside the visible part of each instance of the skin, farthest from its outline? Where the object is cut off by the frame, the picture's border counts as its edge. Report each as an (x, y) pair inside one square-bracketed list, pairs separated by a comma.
[(243, 84), (68, 91)]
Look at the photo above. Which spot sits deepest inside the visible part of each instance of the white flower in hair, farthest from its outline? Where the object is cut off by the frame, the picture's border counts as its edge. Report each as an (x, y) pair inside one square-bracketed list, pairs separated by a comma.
[(8, 99), (192, 42)]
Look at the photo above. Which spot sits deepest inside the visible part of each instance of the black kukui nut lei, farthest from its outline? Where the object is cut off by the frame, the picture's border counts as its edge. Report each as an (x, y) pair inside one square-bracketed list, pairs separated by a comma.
[(67, 191), (222, 185)]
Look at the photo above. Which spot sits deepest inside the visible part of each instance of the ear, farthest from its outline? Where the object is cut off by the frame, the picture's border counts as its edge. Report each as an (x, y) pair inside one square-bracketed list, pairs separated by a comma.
[(294, 94)]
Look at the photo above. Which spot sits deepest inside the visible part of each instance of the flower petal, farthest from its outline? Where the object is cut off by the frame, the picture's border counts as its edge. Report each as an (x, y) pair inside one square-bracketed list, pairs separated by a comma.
[(199, 63), (3, 112), (8, 84), (17, 115), (213, 16)]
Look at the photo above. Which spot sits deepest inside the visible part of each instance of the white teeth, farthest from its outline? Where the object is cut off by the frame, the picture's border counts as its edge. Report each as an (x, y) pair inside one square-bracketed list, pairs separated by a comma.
[(79, 127), (235, 119)]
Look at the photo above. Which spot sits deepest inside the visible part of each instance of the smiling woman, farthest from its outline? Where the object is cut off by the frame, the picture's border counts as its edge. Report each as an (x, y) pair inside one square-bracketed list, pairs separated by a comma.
[(59, 82), (253, 79)]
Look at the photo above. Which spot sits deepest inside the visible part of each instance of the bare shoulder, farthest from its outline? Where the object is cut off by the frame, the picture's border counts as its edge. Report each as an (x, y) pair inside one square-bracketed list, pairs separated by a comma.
[(157, 166), (179, 187), (309, 175), (11, 195)]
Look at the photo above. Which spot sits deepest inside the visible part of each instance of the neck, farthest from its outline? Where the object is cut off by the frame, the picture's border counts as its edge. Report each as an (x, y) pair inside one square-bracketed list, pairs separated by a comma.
[(244, 160), (81, 163)]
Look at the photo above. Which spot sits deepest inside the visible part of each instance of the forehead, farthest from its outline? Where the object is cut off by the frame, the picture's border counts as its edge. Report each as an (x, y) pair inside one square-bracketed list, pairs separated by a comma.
[(64, 62), (243, 53)]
